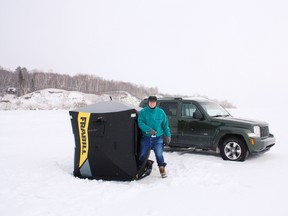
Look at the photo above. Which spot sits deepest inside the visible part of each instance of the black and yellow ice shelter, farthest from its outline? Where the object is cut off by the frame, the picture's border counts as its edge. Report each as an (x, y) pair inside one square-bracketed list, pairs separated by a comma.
[(106, 142)]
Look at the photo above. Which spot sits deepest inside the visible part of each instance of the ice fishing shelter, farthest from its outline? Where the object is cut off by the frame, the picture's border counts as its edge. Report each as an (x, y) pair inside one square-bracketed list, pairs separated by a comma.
[(106, 142)]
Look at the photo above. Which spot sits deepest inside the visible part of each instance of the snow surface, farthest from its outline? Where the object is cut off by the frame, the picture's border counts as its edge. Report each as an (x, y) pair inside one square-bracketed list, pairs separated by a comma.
[(36, 163)]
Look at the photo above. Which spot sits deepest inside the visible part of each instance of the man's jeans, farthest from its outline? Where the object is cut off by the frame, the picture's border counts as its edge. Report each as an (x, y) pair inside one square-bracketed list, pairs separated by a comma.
[(155, 143)]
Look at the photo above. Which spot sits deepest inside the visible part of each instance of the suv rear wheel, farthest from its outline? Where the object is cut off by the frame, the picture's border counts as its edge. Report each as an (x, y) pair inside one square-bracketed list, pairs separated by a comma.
[(234, 149)]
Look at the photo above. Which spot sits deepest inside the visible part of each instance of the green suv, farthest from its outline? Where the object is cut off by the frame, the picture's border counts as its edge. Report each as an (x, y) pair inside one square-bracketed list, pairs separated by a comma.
[(201, 124)]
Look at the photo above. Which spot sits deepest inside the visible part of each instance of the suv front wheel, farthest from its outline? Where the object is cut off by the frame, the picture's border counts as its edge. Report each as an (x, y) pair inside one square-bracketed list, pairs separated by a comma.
[(234, 149)]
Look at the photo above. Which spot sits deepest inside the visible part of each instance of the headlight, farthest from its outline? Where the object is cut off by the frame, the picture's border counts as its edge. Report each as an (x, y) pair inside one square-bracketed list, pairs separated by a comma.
[(256, 132)]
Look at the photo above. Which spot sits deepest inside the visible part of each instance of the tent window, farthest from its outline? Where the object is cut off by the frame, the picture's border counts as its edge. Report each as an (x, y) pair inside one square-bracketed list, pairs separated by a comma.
[(98, 128)]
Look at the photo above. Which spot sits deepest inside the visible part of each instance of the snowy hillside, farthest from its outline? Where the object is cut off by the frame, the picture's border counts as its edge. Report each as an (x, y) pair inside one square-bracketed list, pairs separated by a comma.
[(54, 99)]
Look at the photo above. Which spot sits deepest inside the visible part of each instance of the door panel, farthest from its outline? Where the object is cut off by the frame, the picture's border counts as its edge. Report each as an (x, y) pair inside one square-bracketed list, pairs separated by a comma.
[(193, 132), (172, 111)]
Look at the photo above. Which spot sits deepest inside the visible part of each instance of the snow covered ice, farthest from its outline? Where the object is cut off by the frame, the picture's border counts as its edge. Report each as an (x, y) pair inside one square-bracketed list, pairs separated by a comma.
[(36, 162)]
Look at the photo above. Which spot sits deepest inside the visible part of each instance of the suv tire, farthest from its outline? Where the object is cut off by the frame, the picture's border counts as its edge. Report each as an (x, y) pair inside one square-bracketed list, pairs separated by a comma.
[(233, 149)]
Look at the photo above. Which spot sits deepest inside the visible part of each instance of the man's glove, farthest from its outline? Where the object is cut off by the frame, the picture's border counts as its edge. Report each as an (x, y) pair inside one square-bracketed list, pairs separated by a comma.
[(168, 140), (152, 132)]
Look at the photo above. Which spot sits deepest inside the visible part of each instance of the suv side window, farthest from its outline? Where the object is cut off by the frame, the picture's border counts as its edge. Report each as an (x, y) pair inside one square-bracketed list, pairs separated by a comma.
[(188, 109), (170, 108)]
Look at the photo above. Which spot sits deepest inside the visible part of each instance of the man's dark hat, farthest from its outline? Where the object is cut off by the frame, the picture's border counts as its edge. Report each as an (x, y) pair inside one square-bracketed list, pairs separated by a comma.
[(152, 98)]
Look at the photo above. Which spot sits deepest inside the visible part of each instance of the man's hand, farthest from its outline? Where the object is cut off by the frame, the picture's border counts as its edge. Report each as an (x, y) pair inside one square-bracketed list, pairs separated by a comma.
[(152, 132), (168, 140)]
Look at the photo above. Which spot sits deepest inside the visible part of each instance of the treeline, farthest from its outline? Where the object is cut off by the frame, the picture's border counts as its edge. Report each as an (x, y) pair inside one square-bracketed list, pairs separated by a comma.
[(24, 81)]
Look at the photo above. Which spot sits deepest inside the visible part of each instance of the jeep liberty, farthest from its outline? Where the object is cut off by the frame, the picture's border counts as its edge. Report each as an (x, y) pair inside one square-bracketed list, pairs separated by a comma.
[(201, 124)]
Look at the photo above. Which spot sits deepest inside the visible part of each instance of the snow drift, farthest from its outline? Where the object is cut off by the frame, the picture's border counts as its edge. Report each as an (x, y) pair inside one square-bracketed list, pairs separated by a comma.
[(49, 99)]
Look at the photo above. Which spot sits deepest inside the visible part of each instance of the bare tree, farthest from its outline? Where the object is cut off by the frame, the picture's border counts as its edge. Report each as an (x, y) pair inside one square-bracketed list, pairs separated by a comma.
[(21, 80), (28, 81)]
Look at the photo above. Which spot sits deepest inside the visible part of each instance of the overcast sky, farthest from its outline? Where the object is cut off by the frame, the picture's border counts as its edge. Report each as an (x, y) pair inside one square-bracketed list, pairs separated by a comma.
[(234, 50)]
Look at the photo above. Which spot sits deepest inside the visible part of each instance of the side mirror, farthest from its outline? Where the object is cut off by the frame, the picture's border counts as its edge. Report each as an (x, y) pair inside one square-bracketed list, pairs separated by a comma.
[(197, 115)]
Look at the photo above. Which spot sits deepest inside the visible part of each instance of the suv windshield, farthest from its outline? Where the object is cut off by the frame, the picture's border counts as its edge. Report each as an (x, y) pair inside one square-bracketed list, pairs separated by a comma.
[(214, 110)]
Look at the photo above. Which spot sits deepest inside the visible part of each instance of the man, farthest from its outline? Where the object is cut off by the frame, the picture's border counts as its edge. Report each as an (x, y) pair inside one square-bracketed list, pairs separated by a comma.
[(153, 123)]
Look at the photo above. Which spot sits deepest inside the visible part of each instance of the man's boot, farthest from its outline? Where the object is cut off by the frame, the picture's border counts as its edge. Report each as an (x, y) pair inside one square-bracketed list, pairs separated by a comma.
[(162, 171)]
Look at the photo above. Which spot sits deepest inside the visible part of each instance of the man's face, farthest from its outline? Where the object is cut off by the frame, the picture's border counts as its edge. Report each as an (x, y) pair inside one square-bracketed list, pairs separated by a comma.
[(152, 104)]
